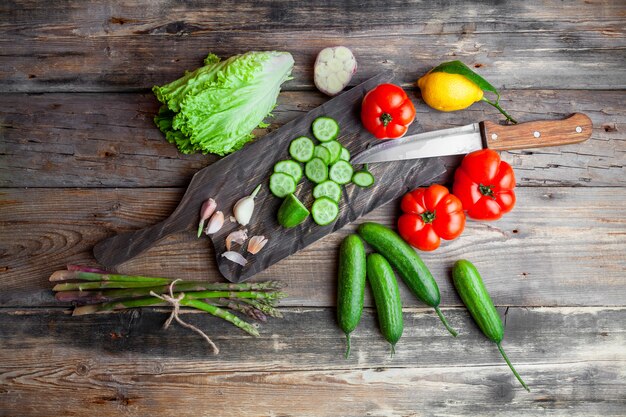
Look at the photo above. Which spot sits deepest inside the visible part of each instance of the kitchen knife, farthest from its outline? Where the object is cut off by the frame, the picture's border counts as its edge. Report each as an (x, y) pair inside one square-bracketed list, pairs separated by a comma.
[(461, 140)]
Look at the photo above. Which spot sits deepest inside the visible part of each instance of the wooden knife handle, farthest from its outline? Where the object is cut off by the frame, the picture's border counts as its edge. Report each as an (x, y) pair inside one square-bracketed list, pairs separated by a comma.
[(574, 129)]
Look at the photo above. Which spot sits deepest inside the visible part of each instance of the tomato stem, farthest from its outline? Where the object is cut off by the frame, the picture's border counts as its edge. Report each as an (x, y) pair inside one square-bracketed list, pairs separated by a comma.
[(385, 118), (486, 190), (428, 216)]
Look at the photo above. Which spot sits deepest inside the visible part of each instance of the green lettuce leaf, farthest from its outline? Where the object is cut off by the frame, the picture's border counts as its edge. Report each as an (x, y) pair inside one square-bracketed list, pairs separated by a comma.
[(215, 108)]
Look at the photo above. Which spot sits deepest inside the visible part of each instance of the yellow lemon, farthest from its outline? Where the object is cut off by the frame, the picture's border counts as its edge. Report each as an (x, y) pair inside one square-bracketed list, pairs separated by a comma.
[(448, 92)]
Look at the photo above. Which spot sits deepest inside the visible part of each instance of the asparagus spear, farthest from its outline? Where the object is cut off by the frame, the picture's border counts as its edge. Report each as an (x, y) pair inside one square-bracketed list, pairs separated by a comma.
[(153, 301), (263, 306), (221, 313), (246, 309), (95, 276), (125, 289)]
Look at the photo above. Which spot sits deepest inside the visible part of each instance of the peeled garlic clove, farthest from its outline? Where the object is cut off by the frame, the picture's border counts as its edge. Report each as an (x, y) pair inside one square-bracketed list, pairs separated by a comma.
[(245, 207), (235, 257), (256, 243), (216, 223), (238, 236)]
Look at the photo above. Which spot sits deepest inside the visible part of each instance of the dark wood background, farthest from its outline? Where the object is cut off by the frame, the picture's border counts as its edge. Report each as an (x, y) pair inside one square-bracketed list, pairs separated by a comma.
[(80, 160)]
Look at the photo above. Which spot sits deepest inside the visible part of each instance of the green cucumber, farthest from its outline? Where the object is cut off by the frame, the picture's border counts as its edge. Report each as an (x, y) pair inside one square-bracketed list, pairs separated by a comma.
[(316, 170), (408, 264), (341, 172), (292, 212), (325, 128), (328, 189), (387, 298), (363, 179), (345, 154), (289, 167), (471, 289), (351, 285), (324, 211), (322, 153), (334, 148), (282, 184), (301, 149)]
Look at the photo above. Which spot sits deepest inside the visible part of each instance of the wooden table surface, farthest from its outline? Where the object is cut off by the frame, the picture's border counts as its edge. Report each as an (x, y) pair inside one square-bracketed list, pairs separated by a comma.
[(80, 160)]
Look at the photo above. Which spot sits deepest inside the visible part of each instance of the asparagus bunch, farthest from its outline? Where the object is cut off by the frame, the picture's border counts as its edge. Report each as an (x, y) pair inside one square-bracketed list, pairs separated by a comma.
[(93, 291)]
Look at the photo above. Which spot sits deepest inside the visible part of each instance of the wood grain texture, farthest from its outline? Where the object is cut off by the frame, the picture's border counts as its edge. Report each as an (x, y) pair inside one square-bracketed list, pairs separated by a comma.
[(572, 358), (109, 140), (237, 175), (535, 59), (574, 129), (545, 252)]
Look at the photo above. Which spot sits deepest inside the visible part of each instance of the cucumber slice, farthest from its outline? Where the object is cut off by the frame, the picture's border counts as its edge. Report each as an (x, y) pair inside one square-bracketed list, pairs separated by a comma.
[(363, 179), (345, 154), (325, 129), (301, 149), (316, 170), (289, 167), (328, 189), (341, 172), (292, 212), (322, 153), (324, 211), (282, 184), (334, 148)]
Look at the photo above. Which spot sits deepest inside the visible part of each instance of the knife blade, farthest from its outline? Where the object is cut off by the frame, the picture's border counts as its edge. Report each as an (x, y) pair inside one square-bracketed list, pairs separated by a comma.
[(461, 140)]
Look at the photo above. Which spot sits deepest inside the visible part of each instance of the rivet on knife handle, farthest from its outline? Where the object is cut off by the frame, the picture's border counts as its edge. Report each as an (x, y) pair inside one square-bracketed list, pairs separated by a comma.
[(574, 129)]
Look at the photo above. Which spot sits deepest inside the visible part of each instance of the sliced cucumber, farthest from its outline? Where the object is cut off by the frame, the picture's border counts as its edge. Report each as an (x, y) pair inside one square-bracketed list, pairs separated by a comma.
[(301, 149), (341, 172), (292, 212), (325, 129), (328, 189), (282, 184), (345, 154), (289, 167), (322, 153), (316, 170), (324, 211), (334, 148), (363, 179)]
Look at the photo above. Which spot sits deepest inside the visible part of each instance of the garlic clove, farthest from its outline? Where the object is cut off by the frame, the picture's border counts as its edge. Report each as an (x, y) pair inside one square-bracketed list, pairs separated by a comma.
[(256, 243), (235, 257), (238, 236), (207, 209), (216, 223)]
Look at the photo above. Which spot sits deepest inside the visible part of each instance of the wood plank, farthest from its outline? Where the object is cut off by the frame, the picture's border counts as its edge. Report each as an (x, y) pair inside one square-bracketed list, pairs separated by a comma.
[(31, 18), (538, 60), (572, 358), (559, 246), (96, 140)]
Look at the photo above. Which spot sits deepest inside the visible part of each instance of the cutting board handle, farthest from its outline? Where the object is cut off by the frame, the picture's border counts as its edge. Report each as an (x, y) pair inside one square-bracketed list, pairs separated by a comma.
[(118, 249)]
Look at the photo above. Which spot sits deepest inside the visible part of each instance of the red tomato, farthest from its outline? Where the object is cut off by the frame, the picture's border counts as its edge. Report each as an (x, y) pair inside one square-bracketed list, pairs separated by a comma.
[(485, 184), (430, 214), (387, 112)]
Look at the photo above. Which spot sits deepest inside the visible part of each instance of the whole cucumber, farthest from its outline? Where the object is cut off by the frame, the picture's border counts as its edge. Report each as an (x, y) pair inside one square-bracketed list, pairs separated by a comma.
[(472, 291), (407, 262), (351, 285), (387, 298)]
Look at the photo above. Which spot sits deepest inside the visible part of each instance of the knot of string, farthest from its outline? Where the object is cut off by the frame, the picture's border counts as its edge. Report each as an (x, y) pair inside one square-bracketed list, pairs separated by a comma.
[(175, 303)]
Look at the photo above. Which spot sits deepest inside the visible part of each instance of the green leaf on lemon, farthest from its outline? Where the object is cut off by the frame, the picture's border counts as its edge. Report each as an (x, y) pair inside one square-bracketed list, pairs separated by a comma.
[(457, 67)]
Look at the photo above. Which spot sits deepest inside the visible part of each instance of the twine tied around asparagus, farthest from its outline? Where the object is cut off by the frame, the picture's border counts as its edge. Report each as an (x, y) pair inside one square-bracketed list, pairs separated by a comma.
[(175, 302)]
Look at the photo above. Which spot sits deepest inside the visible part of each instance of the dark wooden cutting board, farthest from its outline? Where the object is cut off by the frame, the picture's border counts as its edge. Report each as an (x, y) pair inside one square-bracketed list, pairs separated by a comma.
[(236, 176)]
